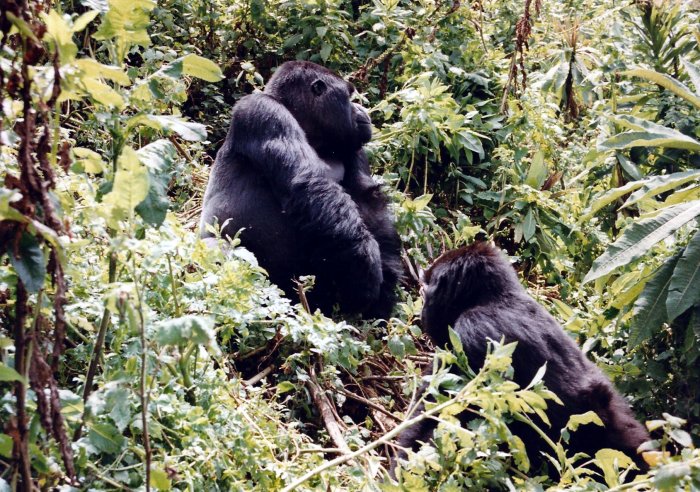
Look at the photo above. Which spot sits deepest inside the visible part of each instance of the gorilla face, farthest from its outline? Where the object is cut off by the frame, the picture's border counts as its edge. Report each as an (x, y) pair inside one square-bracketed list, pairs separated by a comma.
[(320, 101)]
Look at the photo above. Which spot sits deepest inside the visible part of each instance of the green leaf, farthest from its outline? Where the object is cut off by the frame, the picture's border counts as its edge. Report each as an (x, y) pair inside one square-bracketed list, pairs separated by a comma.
[(609, 461), (670, 476), (8, 374), (5, 446), (82, 22), (186, 130), (127, 22), (577, 420), (537, 172), (158, 157), (106, 438), (694, 74), (200, 67), (640, 236), (326, 51), (396, 347), (647, 134), (455, 341), (285, 386), (159, 479), (660, 184), (6, 211), (30, 265), (650, 307), (180, 331), (88, 160), (130, 188), (58, 30), (666, 82), (529, 225), (684, 289)]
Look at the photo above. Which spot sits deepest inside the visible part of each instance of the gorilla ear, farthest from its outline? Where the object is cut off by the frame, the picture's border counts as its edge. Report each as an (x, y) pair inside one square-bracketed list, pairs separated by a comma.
[(318, 87)]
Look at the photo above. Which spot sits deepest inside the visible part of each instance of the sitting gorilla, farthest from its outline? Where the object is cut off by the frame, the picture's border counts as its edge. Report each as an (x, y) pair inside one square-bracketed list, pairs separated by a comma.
[(292, 172), (476, 291)]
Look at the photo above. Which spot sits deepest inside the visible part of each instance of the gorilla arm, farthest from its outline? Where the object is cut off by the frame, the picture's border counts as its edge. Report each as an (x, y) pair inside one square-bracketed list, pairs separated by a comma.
[(268, 137)]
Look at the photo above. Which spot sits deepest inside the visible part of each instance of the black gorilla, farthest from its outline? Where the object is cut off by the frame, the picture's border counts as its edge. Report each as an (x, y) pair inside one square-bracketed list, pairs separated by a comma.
[(293, 173), (476, 291)]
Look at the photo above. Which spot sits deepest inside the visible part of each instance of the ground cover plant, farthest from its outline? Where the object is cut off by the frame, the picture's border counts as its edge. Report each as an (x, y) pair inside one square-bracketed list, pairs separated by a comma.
[(134, 357)]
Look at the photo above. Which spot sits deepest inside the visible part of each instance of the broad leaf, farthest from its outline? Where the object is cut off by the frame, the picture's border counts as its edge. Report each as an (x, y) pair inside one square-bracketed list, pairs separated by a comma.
[(640, 236), (647, 134), (590, 417), (600, 201), (666, 82), (5, 447), (610, 461), (660, 184), (200, 67), (538, 171), (130, 188), (30, 263), (650, 307), (158, 158), (185, 129), (180, 331), (684, 290), (106, 438), (694, 74), (9, 374)]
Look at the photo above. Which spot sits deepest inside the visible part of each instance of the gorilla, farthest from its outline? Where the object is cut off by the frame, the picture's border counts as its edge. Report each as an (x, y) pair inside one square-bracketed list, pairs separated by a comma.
[(476, 291), (293, 174)]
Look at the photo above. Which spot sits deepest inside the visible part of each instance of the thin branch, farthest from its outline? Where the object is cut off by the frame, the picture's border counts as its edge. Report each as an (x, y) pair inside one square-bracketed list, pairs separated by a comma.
[(327, 414), (259, 376)]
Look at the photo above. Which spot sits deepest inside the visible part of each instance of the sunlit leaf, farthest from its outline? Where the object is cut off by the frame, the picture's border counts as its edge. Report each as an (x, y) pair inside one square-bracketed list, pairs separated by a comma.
[(647, 134), (130, 188), (640, 236), (667, 82), (202, 68)]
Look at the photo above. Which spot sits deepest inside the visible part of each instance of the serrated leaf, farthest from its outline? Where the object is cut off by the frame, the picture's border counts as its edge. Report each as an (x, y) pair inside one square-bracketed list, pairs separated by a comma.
[(202, 68), (684, 289), (590, 417), (650, 308), (180, 331), (640, 236), (106, 438), (30, 263), (673, 85), (8, 374)]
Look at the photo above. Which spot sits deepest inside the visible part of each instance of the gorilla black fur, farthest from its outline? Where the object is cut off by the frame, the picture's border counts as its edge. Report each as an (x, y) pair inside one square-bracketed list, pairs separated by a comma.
[(292, 172), (476, 291)]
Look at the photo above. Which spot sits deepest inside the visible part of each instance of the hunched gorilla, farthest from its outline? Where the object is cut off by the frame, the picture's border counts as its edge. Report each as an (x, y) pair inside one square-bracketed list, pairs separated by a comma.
[(476, 291), (293, 174)]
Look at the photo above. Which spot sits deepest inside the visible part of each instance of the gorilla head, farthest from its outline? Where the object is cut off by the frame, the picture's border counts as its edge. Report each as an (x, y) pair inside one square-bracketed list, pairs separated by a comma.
[(319, 100)]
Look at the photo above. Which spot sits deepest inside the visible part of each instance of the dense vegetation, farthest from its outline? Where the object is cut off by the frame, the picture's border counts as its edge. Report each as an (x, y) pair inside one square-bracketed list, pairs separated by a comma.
[(133, 357)]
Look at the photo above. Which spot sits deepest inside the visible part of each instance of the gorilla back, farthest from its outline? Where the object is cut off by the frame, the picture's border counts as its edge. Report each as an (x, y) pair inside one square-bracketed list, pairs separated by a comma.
[(477, 292), (292, 173)]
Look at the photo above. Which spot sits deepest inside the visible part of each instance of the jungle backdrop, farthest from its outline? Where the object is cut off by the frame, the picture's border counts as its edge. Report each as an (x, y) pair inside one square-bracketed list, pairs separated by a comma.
[(133, 357)]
